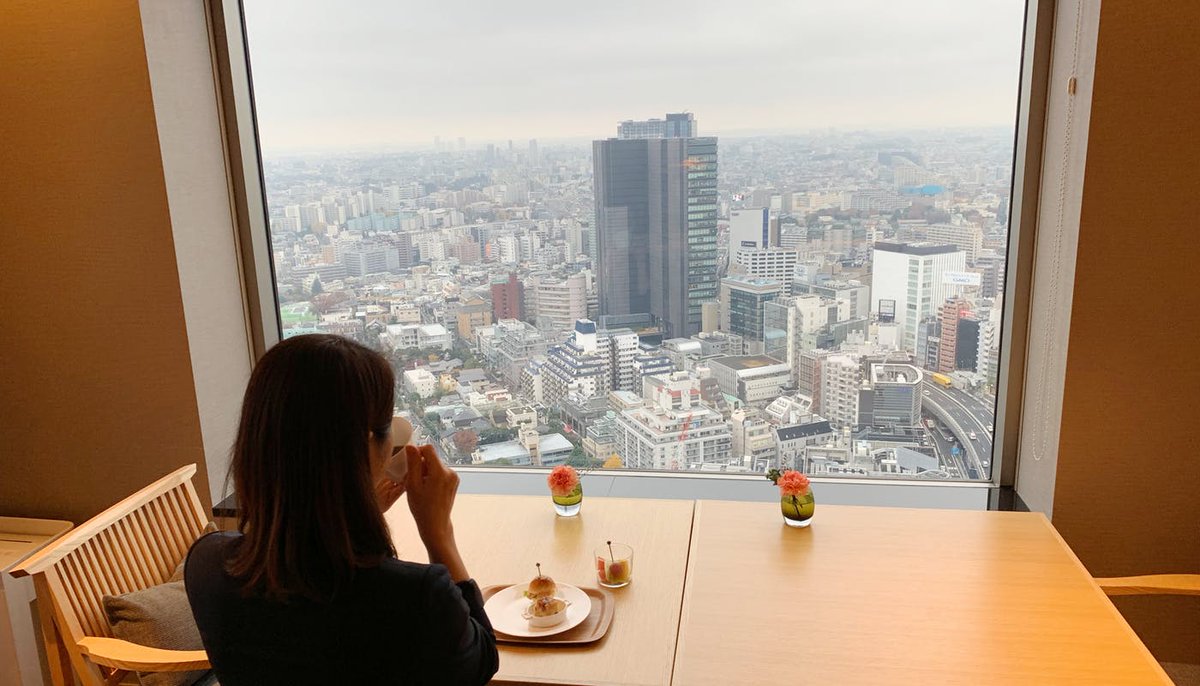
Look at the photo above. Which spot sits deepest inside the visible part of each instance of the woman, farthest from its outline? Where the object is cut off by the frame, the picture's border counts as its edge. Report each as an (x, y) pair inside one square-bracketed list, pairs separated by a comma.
[(309, 590)]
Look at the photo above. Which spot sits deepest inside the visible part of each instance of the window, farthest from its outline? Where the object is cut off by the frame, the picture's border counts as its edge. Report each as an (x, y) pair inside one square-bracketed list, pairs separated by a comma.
[(511, 203)]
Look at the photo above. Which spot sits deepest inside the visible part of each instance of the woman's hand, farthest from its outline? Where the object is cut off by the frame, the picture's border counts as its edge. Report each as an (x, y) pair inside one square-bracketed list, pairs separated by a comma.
[(387, 492), (431, 489)]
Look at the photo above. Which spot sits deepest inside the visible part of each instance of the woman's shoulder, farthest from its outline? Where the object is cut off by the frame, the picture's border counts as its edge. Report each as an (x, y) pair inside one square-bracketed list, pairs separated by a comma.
[(211, 549), (411, 572), (215, 542)]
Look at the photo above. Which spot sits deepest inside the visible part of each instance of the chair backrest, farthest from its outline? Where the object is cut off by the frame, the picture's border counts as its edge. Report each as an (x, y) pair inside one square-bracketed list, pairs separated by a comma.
[(132, 545), (1152, 584)]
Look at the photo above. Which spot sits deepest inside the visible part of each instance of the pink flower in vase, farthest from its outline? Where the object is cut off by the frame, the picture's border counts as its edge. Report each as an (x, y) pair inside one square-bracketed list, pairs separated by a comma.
[(562, 480), (792, 483)]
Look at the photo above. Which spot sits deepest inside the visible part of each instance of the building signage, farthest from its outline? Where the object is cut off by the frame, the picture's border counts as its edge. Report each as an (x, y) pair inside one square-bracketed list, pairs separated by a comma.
[(960, 278)]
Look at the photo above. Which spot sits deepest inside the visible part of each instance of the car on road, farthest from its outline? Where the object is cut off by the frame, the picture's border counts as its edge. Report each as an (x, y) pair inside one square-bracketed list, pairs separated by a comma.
[(926, 391), (971, 435)]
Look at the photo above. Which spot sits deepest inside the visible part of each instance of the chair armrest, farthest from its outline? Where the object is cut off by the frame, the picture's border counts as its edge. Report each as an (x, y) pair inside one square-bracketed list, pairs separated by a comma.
[(1153, 584), (113, 652)]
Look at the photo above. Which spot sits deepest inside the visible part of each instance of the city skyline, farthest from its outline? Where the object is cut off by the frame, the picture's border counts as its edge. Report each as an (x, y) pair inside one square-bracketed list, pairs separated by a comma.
[(530, 70), (841, 341)]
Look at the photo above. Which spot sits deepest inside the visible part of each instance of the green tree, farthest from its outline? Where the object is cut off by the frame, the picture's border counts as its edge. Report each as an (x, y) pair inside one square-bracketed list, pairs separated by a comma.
[(433, 424), (496, 435), (579, 460)]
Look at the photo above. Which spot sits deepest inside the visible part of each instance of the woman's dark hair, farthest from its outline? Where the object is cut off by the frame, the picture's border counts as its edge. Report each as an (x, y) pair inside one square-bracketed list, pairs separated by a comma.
[(301, 467)]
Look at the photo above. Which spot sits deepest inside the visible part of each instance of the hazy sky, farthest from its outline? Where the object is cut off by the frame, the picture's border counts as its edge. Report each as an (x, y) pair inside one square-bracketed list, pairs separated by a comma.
[(355, 73)]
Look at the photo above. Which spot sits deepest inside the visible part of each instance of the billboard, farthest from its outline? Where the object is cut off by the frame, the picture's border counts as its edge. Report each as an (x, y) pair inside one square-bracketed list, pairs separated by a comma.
[(961, 278), (887, 310)]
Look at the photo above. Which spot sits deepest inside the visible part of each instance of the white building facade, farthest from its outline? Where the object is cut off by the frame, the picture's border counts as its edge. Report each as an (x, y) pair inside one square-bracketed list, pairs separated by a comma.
[(673, 430), (909, 280)]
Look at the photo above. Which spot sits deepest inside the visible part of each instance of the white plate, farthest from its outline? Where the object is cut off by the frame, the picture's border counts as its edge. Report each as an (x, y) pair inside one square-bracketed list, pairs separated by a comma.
[(506, 609)]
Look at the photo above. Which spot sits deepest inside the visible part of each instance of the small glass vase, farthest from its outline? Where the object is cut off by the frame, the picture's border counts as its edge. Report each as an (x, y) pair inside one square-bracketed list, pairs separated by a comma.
[(570, 504), (798, 509)]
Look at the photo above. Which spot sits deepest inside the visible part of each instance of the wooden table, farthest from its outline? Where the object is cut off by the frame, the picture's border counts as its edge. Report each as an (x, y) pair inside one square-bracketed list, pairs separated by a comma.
[(501, 537), (21, 537), (895, 596)]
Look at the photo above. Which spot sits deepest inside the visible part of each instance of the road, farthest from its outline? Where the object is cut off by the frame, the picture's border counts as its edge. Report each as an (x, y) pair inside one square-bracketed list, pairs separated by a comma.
[(953, 464), (965, 414)]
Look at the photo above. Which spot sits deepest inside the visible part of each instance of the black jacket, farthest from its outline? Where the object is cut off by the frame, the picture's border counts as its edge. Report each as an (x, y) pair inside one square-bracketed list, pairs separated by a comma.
[(401, 623)]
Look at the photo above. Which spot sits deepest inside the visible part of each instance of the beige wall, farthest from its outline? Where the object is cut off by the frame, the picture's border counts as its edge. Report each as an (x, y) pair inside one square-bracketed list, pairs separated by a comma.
[(96, 390), (1127, 497)]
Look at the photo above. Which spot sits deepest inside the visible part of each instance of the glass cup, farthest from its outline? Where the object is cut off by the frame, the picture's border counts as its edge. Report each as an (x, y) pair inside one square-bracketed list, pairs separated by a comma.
[(614, 565)]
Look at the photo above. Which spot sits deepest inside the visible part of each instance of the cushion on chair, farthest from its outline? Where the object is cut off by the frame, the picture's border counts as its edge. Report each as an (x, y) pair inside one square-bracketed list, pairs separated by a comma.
[(159, 617)]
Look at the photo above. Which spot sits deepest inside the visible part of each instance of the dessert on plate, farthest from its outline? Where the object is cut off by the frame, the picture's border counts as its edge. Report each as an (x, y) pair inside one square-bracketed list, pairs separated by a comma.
[(542, 586), (546, 612)]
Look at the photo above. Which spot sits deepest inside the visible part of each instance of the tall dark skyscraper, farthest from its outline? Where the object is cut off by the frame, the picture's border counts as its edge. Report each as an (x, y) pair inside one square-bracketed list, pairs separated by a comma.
[(656, 221)]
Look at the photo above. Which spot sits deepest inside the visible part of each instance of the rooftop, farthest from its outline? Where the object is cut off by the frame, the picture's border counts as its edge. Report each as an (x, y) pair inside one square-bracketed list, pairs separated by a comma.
[(915, 248), (548, 444), (791, 433), (744, 362), (751, 281)]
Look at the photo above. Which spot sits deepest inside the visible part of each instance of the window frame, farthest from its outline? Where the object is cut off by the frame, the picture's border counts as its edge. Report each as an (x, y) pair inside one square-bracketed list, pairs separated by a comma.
[(235, 89)]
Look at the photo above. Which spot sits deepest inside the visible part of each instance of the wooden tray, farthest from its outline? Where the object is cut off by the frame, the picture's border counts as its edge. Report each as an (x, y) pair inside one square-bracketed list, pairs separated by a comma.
[(591, 630)]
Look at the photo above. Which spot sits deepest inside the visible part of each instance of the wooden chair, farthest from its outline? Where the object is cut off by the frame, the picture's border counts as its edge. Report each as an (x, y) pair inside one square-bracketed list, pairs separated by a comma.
[(132, 545), (1159, 584), (1153, 584)]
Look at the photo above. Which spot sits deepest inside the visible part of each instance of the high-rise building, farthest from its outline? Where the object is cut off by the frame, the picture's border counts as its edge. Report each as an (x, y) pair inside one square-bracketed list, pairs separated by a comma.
[(579, 365), (511, 345), (894, 398), (656, 223), (929, 341), (508, 298), (593, 361), (909, 280), (766, 263), (405, 251), (749, 228), (852, 296), (795, 324), (966, 349), (841, 381), (988, 348), (965, 237), (674, 430), (467, 252), (677, 125), (991, 274), (371, 258), (555, 303), (742, 300), (471, 315), (951, 312)]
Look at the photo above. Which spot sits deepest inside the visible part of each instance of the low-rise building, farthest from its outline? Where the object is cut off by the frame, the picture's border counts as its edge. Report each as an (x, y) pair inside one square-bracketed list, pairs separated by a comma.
[(552, 450), (420, 381), (755, 379), (792, 440), (600, 441), (753, 440)]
